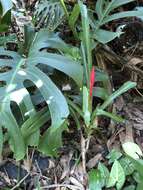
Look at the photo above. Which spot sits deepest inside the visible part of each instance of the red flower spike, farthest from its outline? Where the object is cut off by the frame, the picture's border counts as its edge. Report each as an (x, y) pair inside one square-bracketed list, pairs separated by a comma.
[(92, 79)]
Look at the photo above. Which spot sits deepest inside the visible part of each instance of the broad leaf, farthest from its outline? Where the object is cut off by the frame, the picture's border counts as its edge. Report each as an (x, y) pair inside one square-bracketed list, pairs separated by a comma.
[(125, 87), (117, 176), (104, 173), (95, 180), (105, 36), (127, 166), (6, 6), (100, 93), (130, 187), (139, 186), (132, 149), (18, 146), (74, 15), (32, 125), (114, 155), (122, 15), (117, 3), (99, 8), (19, 69), (48, 13), (51, 140), (86, 41)]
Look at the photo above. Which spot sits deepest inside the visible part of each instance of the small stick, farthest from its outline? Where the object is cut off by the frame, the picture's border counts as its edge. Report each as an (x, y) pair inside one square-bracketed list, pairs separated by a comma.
[(18, 184), (72, 187), (83, 153)]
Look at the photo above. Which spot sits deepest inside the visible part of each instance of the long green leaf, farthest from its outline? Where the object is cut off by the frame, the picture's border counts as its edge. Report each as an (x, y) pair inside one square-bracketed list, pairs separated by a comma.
[(1, 140), (73, 18), (16, 138), (125, 87), (110, 115), (117, 3), (95, 180), (61, 63), (117, 176), (86, 37), (27, 70), (99, 8), (52, 140), (85, 108), (105, 36), (100, 93), (122, 15), (6, 5), (104, 173), (34, 123)]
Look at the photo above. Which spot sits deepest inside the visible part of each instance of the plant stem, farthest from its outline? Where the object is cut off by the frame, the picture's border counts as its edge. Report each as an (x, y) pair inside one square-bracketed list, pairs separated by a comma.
[(68, 18), (64, 8), (18, 184), (84, 149)]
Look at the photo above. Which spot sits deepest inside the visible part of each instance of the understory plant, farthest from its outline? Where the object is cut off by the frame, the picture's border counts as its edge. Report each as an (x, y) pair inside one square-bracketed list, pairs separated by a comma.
[(84, 109), (48, 13), (18, 71), (28, 80), (123, 168)]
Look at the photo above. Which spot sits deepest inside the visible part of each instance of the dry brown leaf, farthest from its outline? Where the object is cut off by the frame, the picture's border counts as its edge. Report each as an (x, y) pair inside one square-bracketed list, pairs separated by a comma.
[(93, 161)]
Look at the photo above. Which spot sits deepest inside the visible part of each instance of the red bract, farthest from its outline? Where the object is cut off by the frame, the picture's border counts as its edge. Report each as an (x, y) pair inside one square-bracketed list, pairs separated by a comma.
[(92, 79)]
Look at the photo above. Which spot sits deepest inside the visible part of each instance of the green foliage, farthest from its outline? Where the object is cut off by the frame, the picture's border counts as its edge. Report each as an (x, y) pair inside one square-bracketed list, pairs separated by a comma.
[(117, 176), (114, 155), (73, 18), (85, 110), (104, 11), (81, 103), (130, 187), (5, 14), (27, 78), (5, 6), (127, 165), (7, 39), (132, 149), (95, 180), (86, 44), (48, 14), (27, 68), (104, 173), (123, 169)]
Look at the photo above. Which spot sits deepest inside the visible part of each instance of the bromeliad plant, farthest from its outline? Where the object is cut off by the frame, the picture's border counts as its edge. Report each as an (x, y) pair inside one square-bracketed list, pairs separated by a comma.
[(84, 109)]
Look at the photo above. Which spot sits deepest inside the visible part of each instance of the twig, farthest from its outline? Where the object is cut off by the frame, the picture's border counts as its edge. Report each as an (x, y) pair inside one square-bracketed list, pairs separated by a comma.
[(84, 149), (18, 184), (108, 54), (83, 153), (129, 132), (72, 187)]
